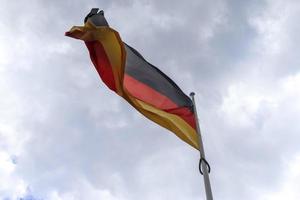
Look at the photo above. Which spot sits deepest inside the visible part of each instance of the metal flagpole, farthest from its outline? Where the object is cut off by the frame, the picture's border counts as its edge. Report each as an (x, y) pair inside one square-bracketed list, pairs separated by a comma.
[(203, 165)]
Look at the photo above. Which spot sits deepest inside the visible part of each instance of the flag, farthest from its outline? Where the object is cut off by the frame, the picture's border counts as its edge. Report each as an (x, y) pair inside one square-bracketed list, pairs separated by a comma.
[(125, 71)]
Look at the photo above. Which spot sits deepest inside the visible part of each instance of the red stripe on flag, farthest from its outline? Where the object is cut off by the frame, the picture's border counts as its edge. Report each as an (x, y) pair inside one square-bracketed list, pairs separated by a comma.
[(101, 63), (185, 114), (145, 93)]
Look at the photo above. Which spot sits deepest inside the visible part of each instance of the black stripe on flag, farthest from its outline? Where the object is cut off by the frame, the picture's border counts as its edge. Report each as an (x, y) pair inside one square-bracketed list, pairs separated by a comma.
[(137, 67)]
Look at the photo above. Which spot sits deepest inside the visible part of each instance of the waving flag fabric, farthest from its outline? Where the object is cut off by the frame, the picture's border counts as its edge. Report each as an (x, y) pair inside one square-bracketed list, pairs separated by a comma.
[(124, 70)]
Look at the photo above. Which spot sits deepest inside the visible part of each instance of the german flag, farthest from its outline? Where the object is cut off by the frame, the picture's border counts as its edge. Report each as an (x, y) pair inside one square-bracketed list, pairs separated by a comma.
[(124, 70)]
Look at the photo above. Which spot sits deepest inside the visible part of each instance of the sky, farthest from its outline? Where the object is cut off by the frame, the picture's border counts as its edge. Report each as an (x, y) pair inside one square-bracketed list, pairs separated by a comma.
[(65, 136)]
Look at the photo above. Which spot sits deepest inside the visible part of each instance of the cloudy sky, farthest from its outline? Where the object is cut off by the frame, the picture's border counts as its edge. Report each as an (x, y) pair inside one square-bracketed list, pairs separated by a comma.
[(65, 136)]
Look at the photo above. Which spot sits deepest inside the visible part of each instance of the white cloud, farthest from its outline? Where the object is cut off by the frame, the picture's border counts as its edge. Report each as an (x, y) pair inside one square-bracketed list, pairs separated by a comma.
[(288, 187), (84, 191), (245, 100), (11, 186)]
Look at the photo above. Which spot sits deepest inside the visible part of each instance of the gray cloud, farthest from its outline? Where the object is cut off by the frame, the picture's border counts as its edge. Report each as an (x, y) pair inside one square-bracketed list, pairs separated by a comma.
[(74, 139)]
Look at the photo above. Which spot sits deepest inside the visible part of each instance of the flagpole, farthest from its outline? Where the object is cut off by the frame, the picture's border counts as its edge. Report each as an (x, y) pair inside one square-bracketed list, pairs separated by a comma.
[(203, 165)]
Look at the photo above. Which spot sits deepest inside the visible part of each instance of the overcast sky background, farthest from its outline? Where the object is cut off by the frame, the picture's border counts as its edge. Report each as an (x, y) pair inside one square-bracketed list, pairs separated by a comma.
[(65, 136)]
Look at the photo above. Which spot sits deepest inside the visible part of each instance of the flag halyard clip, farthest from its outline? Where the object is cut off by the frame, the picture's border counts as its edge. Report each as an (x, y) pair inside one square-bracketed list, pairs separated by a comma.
[(206, 163)]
